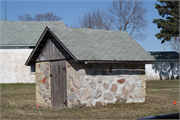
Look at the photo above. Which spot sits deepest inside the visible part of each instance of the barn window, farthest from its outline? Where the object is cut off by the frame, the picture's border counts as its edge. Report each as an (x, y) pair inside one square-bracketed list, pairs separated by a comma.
[(33, 69)]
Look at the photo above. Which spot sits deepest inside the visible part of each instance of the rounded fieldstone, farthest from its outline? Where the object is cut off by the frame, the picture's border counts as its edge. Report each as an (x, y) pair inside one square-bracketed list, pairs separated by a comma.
[(105, 85), (100, 80), (42, 86), (87, 78), (40, 92), (46, 99), (77, 75), (78, 94), (85, 94), (46, 73), (103, 103), (82, 72), (77, 100), (131, 87), (72, 89), (108, 96), (121, 81), (47, 66), (121, 100), (79, 104), (39, 76), (98, 93), (70, 73), (131, 97), (77, 83), (44, 80), (42, 66), (47, 84), (45, 95), (93, 85), (98, 104), (125, 92), (72, 97), (114, 88)]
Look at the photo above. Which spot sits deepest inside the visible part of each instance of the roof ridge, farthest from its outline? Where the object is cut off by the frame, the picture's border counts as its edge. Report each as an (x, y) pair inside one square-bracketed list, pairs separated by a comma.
[(95, 29), (28, 21), (162, 51)]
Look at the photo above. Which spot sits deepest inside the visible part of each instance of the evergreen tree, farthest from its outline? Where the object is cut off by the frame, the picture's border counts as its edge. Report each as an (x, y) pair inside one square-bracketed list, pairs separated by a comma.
[(169, 10)]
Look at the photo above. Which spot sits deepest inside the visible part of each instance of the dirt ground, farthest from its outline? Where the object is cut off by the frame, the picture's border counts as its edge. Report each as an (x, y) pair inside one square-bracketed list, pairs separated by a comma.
[(18, 102)]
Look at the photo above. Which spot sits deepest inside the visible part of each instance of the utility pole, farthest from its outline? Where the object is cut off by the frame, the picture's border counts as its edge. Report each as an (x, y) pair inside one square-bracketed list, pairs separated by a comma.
[(5, 11)]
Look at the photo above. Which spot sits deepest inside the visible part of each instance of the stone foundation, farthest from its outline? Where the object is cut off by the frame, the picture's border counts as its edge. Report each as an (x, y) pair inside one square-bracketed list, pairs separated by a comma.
[(99, 84), (94, 84), (43, 96)]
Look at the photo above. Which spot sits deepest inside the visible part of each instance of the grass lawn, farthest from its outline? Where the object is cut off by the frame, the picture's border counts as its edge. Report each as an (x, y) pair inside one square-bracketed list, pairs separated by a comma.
[(18, 102)]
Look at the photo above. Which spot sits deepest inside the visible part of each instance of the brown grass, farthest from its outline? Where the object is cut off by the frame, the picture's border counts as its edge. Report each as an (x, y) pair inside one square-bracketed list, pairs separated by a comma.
[(18, 102)]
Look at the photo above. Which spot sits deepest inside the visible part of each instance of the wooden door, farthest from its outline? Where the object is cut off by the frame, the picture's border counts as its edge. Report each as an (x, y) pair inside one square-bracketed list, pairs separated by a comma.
[(58, 84)]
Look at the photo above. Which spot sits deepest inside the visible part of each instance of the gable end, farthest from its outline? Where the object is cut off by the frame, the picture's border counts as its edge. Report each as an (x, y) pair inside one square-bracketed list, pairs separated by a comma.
[(52, 50), (47, 48)]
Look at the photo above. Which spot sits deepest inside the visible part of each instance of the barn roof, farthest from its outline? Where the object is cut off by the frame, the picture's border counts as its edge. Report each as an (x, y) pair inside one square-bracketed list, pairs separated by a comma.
[(23, 32), (165, 56), (98, 45)]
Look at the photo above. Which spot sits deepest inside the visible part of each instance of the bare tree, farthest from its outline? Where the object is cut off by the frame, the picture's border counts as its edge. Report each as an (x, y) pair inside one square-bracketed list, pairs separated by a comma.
[(25, 17), (97, 19), (175, 44), (50, 16), (121, 15), (129, 16)]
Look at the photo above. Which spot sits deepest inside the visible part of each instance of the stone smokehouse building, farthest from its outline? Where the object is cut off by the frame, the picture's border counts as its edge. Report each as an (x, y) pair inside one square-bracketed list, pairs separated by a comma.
[(86, 67)]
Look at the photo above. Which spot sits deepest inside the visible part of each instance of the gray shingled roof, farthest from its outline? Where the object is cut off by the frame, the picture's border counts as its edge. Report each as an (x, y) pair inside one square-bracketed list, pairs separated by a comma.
[(165, 56), (23, 32), (93, 44)]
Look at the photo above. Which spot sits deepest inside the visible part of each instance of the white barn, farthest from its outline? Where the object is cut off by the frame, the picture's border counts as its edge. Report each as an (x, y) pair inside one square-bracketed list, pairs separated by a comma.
[(165, 67), (17, 40)]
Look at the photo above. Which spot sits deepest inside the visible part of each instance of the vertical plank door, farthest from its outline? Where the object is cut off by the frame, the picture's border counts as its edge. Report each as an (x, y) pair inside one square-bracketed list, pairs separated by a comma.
[(58, 84)]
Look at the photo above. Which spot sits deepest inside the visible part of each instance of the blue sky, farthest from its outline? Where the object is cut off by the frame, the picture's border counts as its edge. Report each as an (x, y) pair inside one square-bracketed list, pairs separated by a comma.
[(70, 11)]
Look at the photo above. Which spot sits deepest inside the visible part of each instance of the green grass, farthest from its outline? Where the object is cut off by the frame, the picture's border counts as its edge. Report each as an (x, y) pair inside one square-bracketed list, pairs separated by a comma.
[(166, 89), (18, 102)]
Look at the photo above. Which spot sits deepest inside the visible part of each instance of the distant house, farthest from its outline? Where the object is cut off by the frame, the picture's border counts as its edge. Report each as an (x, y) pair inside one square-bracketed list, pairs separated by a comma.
[(17, 39), (165, 67), (78, 67)]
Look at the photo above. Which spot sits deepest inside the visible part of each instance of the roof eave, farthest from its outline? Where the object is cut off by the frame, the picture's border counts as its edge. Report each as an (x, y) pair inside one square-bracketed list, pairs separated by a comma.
[(16, 45), (36, 46), (170, 60), (115, 61)]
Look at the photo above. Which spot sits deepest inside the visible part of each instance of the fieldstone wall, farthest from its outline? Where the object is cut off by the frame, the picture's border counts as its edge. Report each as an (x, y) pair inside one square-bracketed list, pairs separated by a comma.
[(99, 84), (43, 96)]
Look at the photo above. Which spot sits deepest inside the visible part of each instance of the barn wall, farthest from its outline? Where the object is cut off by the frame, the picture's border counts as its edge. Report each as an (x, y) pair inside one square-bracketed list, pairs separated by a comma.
[(43, 96), (99, 84), (162, 70), (12, 68)]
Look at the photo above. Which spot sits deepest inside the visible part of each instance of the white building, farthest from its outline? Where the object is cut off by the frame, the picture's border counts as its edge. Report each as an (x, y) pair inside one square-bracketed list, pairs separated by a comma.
[(165, 67), (17, 39)]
